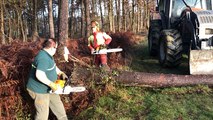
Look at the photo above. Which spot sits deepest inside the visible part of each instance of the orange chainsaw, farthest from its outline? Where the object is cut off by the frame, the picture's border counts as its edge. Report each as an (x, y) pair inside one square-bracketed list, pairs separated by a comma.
[(65, 88)]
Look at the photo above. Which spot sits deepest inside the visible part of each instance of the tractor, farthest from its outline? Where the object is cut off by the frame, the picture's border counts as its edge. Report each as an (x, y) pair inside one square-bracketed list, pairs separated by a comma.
[(183, 27)]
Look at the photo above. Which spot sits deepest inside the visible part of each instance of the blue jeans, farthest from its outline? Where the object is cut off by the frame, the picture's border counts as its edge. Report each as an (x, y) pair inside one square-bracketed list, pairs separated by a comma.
[(43, 102)]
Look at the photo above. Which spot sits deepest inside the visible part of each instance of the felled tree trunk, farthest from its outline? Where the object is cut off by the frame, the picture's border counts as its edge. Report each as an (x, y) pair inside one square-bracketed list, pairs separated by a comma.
[(162, 80), (144, 79)]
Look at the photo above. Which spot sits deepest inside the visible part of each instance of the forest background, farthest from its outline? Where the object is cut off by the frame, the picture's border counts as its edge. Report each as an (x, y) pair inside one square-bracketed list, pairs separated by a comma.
[(22, 19)]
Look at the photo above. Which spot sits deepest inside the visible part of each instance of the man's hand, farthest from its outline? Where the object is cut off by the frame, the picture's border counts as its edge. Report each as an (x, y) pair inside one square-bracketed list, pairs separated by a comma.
[(92, 51), (103, 46), (53, 86), (63, 76)]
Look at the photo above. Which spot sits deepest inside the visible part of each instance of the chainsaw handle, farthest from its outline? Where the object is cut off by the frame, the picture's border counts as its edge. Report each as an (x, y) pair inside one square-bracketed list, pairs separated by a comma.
[(67, 82)]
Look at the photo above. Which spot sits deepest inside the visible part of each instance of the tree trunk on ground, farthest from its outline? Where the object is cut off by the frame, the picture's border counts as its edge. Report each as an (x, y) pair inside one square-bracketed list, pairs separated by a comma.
[(50, 16), (162, 80), (144, 79)]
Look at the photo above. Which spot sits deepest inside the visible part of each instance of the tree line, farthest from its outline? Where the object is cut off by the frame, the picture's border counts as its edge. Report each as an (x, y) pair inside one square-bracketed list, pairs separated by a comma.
[(30, 19)]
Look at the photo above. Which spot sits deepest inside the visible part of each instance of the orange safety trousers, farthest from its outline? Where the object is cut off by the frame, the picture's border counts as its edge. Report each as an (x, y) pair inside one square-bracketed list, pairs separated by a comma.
[(100, 59)]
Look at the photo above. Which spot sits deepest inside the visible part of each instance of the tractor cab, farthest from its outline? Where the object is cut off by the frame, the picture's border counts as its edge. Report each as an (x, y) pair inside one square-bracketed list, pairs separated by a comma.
[(172, 9), (178, 6)]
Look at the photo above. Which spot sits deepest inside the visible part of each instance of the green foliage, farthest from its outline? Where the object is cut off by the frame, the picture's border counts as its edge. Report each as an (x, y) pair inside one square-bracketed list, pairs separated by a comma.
[(22, 112), (107, 77)]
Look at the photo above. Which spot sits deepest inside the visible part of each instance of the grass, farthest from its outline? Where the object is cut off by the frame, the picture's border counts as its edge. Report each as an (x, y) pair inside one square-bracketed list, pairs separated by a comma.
[(128, 103), (179, 104), (138, 103)]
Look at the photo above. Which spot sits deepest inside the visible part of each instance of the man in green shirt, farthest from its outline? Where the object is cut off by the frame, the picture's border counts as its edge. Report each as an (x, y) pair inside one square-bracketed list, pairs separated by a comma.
[(41, 80)]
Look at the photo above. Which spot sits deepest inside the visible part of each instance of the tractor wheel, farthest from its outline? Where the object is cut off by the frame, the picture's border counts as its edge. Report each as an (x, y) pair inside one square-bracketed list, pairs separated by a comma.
[(170, 48), (153, 37)]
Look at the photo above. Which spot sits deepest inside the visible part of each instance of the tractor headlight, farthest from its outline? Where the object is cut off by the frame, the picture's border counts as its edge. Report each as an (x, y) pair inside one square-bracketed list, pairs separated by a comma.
[(208, 31)]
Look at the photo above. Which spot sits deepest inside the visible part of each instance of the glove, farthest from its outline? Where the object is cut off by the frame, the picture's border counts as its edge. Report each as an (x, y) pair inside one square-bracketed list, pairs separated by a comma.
[(92, 51), (103, 46), (97, 49), (63, 76), (53, 86)]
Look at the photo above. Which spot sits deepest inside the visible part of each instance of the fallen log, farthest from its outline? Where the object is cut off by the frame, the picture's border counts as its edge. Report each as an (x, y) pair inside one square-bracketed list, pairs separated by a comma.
[(144, 79), (162, 80)]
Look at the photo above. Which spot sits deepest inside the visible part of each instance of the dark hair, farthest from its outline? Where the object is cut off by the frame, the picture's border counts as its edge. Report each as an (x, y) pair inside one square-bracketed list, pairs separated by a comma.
[(48, 43)]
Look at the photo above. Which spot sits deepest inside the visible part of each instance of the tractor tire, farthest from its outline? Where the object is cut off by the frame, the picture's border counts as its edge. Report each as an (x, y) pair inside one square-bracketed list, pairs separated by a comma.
[(153, 37), (170, 48)]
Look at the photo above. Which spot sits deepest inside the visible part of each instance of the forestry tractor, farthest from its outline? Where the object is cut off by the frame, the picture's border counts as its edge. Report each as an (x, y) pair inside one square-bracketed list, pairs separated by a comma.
[(183, 27)]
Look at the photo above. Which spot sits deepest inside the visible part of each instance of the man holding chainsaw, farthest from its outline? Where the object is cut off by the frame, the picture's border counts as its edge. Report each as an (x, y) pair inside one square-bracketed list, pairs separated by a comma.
[(42, 77), (97, 41)]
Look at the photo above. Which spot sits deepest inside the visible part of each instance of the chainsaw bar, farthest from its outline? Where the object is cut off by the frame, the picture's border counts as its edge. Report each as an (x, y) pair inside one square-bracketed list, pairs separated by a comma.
[(105, 51), (68, 89)]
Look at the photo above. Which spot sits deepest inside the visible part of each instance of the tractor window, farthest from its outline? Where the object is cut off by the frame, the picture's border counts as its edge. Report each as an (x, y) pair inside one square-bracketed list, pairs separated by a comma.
[(177, 7), (194, 3), (209, 4), (202, 4), (161, 5)]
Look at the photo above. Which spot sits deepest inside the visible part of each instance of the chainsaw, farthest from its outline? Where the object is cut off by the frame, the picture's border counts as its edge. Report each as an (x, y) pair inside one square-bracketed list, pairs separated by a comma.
[(65, 88), (105, 51)]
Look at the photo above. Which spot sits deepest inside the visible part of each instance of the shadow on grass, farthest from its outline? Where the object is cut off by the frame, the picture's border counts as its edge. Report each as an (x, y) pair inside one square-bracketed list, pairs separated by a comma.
[(143, 62)]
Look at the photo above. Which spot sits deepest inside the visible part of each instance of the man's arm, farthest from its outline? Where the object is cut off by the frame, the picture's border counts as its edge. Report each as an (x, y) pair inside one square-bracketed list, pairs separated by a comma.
[(61, 74), (91, 38), (41, 76), (58, 71), (107, 38)]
